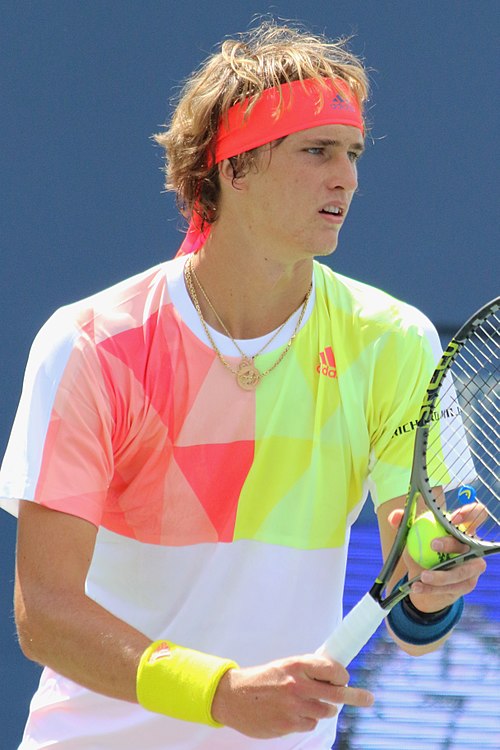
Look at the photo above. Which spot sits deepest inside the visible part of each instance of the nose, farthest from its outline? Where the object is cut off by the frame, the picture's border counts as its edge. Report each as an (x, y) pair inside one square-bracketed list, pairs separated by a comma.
[(343, 174)]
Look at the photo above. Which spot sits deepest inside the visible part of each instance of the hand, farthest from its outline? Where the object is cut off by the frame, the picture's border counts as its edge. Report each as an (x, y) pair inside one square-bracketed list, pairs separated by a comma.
[(289, 695), (438, 589)]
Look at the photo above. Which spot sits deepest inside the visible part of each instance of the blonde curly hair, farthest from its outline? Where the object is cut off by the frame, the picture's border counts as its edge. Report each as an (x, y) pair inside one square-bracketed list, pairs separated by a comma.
[(266, 56)]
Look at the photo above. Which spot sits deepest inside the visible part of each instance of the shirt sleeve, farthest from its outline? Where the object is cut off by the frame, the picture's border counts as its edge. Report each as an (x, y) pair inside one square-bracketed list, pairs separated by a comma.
[(404, 362), (60, 449)]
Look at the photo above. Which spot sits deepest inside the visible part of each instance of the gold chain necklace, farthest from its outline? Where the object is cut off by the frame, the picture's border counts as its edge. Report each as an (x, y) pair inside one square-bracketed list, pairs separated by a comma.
[(247, 375), (223, 325)]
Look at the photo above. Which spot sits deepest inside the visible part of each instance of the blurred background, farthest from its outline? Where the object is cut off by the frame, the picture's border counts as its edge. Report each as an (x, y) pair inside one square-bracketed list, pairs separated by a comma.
[(85, 84)]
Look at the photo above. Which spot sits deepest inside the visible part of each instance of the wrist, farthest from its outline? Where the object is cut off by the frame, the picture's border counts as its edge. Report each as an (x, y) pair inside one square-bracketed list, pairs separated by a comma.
[(221, 704), (180, 682), (418, 628), (424, 618)]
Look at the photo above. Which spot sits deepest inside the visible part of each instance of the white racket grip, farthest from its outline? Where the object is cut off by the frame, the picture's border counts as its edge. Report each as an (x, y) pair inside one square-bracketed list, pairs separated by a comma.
[(354, 631)]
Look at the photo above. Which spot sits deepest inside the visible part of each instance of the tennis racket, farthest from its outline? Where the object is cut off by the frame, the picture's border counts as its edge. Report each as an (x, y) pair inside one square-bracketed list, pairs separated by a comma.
[(455, 462)]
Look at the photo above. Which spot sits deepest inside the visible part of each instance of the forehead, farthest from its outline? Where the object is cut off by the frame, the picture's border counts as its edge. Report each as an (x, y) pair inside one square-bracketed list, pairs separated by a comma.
[(340, 135)]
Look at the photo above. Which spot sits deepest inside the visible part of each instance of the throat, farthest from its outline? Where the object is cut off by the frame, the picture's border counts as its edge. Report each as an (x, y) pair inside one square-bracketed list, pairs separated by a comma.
[(247, 374)]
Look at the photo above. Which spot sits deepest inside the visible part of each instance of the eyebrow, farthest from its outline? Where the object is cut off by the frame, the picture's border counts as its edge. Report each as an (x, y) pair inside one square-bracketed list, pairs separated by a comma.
[(358, 146)]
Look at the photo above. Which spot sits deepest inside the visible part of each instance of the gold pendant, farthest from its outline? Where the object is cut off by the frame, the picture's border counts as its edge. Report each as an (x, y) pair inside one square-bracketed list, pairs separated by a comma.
[(247, 377)]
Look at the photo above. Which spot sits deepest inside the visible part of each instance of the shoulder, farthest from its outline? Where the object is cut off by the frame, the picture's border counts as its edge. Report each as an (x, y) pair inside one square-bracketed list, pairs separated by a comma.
[(131, 305), (126, 305), (372, 313)]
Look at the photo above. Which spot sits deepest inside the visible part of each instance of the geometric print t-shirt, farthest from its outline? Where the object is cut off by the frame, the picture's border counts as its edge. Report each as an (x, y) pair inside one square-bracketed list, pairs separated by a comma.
[(223, 515), (130, 421)]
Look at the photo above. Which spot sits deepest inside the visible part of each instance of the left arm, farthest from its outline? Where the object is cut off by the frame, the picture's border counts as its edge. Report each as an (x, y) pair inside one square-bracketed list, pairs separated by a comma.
[(439, 589)]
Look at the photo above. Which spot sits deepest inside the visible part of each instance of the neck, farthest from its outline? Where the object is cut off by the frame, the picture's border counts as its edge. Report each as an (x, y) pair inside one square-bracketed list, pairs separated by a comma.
[(252, 292)]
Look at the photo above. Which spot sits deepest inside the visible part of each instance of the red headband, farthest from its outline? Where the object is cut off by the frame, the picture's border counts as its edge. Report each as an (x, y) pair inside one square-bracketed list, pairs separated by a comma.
[(278, 112)]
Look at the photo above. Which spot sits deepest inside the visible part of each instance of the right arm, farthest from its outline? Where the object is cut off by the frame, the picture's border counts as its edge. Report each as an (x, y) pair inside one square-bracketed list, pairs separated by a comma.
[(58, 624), (61, 627)]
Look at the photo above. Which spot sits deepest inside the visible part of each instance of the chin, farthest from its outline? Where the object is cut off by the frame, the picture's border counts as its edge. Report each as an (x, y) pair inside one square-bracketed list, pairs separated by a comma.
[(324, 252)]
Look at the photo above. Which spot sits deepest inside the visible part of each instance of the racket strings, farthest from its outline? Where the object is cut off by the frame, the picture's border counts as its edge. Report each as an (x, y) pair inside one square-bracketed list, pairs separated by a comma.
[(488, 441), (463, 437), (476, 415)]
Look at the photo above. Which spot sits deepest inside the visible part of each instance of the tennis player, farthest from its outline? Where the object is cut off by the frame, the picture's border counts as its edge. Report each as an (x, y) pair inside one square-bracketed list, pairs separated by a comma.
[(193, 445)]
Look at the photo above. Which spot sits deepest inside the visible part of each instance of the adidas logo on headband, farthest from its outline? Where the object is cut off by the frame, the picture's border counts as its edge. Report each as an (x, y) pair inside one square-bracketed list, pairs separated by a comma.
[(338, 102)]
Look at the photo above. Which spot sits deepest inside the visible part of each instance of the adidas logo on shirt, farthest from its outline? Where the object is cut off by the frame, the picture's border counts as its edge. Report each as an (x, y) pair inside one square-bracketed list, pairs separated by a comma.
[(327, 365)]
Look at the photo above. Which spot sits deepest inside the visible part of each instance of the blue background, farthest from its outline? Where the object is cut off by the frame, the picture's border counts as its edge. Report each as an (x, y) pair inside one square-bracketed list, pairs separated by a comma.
[(85, 84)]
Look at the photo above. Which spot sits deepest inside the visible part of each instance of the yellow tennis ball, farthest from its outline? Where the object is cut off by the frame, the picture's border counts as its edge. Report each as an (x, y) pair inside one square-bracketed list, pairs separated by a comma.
[(424, 529)]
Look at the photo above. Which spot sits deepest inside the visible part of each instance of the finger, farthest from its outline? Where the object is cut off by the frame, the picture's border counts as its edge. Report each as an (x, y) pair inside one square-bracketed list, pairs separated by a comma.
[(443, 578), (330, 684), (445, 590), (326, 692), (325, 670), (449, 544), (320, 709), (304, 724), (470, 516), (354, 696)]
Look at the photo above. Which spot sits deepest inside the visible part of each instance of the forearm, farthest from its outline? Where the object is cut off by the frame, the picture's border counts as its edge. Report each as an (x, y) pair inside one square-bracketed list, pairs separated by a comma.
[(76, 637), (61, 627), (58, 625), (414, 650), (80, 640)]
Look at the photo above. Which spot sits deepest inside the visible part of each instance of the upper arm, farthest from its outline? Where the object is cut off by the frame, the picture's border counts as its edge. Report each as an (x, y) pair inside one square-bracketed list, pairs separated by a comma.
[(403, 365), (386, 530), (60, 451)]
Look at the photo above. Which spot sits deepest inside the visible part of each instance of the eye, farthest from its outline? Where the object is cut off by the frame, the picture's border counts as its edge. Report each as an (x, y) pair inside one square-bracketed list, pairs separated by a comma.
[(315, 150), (354, 156)]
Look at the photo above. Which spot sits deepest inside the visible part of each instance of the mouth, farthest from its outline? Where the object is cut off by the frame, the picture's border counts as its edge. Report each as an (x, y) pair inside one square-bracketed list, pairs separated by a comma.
[(335, 213)]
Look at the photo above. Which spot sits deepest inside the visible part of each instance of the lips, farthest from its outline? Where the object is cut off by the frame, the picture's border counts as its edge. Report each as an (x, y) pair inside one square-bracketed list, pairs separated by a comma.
[(333, 214), (333, 210)]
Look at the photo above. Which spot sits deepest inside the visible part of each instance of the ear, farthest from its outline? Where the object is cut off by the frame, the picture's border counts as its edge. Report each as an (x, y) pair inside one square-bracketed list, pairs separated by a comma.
[(226, 176)]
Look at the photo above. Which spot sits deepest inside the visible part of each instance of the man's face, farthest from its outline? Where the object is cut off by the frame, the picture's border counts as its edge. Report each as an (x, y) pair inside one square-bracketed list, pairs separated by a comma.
[(297, 200)]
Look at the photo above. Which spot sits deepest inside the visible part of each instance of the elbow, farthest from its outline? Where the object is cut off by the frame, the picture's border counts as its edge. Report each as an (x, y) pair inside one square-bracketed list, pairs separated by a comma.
[(27, 644), (31, 631), (26, 635), (28, 649)]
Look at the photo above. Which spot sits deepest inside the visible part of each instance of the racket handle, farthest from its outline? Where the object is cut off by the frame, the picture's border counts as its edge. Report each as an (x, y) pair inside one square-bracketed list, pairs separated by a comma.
[(354, 631)]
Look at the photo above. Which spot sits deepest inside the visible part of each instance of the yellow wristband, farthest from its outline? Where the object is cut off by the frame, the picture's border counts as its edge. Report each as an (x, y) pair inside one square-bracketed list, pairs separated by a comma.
[(180, 682)]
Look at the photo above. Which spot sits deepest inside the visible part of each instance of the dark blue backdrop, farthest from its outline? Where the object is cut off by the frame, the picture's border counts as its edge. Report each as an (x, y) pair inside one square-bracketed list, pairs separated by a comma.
[(86, 83)]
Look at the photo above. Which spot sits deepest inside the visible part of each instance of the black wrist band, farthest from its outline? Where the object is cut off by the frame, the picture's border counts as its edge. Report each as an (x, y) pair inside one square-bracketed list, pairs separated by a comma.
[(423, 618)]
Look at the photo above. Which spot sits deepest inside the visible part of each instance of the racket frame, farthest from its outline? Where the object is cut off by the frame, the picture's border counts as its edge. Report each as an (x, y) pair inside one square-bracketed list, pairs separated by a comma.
[(419, 482), (363, 620)]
